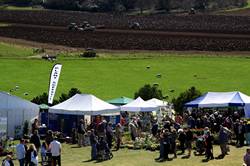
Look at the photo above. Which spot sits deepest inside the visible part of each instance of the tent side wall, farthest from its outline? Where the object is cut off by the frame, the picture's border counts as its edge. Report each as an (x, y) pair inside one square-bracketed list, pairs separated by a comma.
[(17, 117)]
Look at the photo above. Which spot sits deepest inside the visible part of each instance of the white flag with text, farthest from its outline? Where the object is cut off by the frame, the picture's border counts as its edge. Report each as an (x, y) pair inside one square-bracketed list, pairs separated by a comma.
[(54, 78)]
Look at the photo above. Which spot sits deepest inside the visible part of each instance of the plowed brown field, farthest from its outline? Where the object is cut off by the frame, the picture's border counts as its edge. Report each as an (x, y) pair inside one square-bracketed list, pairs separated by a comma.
[(159, 32)]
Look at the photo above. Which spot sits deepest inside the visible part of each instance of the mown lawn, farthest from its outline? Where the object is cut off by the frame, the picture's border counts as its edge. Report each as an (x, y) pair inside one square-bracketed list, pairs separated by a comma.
[(72, 156), (112, 77)]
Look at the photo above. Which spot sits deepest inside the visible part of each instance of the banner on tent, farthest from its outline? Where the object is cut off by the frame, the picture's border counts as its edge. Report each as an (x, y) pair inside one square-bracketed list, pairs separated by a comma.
[(54, 78), (3, 127)]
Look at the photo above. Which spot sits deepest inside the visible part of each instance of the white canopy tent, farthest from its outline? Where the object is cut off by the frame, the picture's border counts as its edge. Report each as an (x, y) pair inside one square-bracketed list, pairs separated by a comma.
[(157, 102), (17, 111), (222, 99), (84, 104), (139, 105)]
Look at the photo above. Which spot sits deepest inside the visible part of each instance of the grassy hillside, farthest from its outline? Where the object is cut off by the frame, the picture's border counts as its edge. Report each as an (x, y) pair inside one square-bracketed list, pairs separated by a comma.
[(108, 78)]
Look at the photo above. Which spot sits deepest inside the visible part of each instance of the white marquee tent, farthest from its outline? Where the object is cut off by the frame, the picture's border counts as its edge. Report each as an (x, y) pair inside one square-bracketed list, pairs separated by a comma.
[(17, 111), (139, 105), (222, 99), (84, 104)]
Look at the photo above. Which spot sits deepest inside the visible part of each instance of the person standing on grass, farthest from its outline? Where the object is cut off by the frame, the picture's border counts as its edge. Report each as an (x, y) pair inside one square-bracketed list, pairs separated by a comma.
[(209, 145), (133, 129), (93, 143), (81, 131), (55, 149), (173, 142), (182, 139), (223, 139), (109, 135), (32, 155), (35, 139), (189, 139), (241, 132), (118, 135), (162, 147), (20, 152)]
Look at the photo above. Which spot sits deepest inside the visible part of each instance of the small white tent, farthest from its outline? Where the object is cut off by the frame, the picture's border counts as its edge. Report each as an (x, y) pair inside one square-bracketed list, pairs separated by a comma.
[(139, 105), (17, 111), (157, 102), (84, 104)]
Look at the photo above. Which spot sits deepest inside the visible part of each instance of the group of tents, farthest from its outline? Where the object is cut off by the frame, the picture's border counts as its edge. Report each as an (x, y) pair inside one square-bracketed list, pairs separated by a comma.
[(15, 111)]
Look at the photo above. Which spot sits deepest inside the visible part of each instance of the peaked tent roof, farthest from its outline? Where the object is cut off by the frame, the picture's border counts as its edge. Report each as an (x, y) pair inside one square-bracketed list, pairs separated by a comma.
[(220, 99), (120, 101), (157, 102), (84, 104), (139, 105)]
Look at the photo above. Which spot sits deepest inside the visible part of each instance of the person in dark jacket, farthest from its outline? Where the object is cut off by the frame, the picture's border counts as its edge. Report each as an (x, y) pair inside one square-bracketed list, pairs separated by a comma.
[(189, 139), (31, 152), (241, 132), (109, 134), (81, 131), (182, 139), (164, 145), (154, 128), (209, 145), (173, 142), (48, 138), (35, 139), (93, 143)]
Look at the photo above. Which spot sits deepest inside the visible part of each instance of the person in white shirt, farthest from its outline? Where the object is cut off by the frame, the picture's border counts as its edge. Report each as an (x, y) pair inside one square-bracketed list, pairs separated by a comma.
[(20, 152), (55, 149)]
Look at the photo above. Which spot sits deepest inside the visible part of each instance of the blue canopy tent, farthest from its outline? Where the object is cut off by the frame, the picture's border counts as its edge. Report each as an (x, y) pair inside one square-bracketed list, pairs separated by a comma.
[(222, 99)]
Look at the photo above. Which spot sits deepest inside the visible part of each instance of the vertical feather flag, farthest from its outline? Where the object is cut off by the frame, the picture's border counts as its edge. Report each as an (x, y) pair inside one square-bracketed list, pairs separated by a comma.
[(54, 78)]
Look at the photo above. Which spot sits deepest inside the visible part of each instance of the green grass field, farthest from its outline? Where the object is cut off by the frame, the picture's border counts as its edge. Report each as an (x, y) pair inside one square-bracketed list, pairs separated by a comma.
[(121, 74), (11, 50), (72, 156)]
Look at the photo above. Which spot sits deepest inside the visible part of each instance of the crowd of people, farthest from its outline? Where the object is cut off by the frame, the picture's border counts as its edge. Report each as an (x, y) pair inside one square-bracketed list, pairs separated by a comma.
[(200, 128), (27, 151)]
